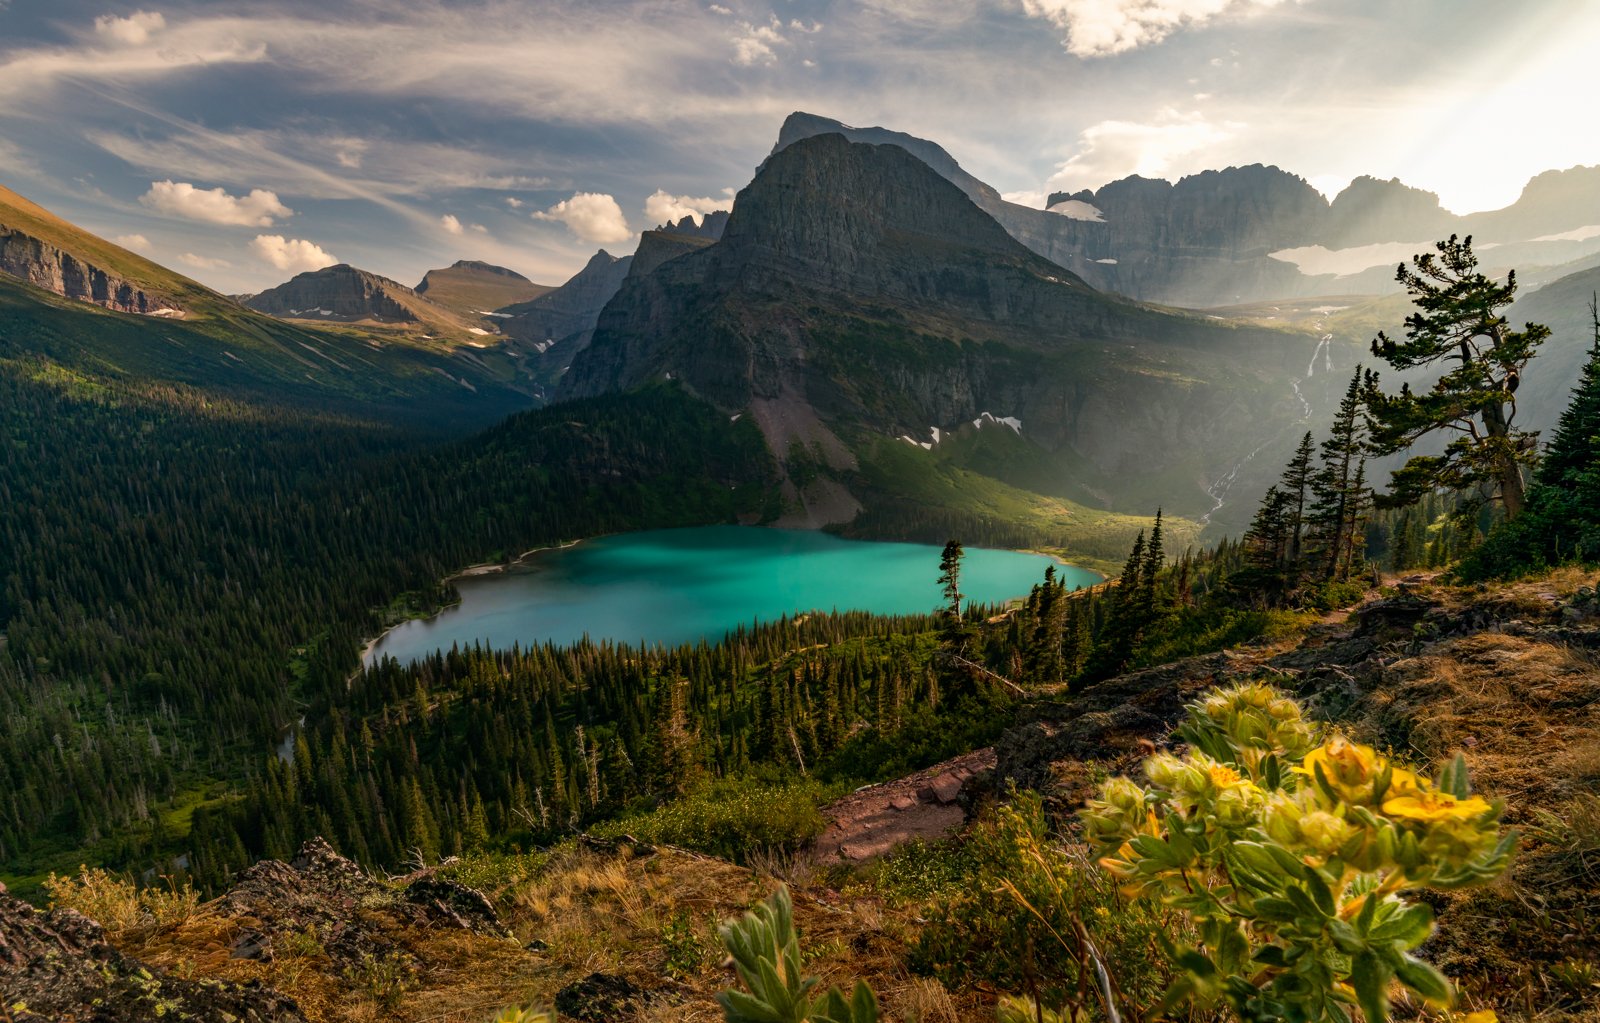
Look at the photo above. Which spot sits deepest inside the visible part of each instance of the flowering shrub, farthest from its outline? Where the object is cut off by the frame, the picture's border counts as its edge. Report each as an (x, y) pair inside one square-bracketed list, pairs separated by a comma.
[(1290, 852)]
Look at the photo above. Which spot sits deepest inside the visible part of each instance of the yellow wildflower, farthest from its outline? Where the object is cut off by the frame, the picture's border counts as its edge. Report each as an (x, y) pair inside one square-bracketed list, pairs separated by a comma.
[(1222, 775), (1405, 783), (1324, 832), (1481, 1016), (1349, 767), (1429, 807)]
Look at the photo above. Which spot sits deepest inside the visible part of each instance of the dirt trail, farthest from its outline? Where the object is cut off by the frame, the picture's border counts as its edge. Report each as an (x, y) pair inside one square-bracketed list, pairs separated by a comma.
[(871, 821)]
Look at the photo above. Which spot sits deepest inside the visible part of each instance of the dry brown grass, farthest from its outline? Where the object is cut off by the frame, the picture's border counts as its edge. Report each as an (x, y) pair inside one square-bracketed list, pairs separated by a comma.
[(1525, 713)]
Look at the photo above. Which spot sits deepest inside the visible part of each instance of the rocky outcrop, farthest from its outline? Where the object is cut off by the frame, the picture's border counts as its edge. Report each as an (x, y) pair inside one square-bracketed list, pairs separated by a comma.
[(658, 246), (469, 266), (339, 292), (48, 267), (56, 967), (323, 891)]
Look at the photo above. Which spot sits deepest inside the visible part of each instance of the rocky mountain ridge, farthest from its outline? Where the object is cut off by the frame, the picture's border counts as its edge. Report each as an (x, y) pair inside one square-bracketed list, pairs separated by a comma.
[(855, 294), (340, 292), (552, 328), (48, 267), (45, 251), (1249, 234)]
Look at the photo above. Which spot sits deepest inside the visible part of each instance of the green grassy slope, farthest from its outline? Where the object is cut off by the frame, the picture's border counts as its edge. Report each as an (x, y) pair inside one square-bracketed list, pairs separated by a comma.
[(237, 353)]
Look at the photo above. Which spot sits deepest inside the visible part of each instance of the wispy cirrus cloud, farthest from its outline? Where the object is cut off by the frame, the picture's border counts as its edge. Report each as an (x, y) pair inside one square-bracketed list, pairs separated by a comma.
[(133, 30), (1103, 28)]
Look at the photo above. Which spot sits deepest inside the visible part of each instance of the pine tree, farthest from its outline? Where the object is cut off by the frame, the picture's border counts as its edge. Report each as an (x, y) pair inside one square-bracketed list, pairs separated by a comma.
[(950, 578), (1043, 663), (1264, 577), (1117, 637), (1563, 519), (1296, 485), (1457, 323), (1339, 490)]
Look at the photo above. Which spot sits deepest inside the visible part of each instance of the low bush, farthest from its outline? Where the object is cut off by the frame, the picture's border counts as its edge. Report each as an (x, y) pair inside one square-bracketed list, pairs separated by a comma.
[(1028, 915), (732, 818), (119, 905)]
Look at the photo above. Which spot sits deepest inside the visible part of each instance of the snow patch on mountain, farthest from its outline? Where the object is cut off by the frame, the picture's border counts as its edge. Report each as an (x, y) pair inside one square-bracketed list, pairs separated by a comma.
[(1077, 209), (990, 417)]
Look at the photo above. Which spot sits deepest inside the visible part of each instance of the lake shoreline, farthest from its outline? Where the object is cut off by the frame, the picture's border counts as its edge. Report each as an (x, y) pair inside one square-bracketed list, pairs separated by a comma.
[(483, 570)]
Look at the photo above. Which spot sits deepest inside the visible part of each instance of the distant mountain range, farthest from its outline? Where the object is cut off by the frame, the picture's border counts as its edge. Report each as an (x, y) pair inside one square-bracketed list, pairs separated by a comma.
[(158, 326), (345, 294), (890, 322), (1256, 233)]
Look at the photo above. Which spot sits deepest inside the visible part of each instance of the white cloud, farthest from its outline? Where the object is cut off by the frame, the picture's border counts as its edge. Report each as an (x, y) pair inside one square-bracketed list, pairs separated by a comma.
[(203, 262), (453, 225), (755, 43), (1100, 28), (1115, 149), (214, 206), (292, 254), (663, 208), (592, 216), (134, 242), (513, 202), (135, 29)]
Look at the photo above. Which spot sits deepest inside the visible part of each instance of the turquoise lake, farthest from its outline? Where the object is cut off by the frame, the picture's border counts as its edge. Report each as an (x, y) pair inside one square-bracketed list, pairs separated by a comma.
[(681, 585)]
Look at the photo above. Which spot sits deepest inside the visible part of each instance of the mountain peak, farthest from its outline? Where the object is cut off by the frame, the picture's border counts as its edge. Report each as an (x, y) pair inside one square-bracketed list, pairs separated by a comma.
[(474, 288), (838, 206)]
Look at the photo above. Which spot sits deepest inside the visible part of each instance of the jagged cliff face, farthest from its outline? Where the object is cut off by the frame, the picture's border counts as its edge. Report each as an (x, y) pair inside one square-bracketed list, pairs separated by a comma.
[(856, 295), (339, 292), (1229, 237), (709, 227), (48, 267), (554, 327)]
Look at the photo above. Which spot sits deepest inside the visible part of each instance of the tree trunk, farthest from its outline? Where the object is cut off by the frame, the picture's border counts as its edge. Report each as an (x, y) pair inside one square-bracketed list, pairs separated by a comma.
[(1509, 472)]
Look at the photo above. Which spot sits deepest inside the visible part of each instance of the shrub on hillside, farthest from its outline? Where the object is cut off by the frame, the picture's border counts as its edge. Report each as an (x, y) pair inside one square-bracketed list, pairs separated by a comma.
[(732, 818), (1030, 916), (1289, 856)]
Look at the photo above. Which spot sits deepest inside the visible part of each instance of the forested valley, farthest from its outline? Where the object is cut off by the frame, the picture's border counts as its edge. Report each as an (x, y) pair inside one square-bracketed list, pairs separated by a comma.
[(181, 575)]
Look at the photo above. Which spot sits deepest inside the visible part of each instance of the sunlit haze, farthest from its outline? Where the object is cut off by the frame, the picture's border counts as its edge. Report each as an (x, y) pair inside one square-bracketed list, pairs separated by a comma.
[(241, 142)]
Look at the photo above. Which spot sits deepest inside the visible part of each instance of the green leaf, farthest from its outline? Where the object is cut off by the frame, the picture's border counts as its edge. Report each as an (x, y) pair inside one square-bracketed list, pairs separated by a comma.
[(1321, 894), (739, 1007), (1369, 976), (1409, 926), (1346, 938), (1426, 981)]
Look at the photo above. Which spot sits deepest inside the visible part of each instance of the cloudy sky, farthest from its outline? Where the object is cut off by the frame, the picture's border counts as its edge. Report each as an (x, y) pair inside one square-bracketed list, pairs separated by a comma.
[(242, 142)]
